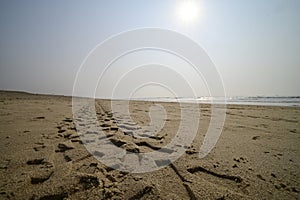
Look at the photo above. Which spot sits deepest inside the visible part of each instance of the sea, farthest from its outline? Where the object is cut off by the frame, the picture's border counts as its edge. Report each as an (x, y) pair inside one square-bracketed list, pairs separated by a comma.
[(290, 101)]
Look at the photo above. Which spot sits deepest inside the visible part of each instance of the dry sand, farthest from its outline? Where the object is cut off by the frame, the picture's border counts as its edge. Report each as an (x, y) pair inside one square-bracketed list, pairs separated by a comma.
[(42, 157)]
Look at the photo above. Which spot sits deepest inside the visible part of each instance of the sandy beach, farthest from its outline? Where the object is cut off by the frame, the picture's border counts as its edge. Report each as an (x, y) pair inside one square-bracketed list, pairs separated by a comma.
[(42, 155)]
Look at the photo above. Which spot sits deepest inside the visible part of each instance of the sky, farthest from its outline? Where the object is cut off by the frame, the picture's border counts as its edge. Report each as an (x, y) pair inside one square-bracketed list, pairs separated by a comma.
[(255, 45)]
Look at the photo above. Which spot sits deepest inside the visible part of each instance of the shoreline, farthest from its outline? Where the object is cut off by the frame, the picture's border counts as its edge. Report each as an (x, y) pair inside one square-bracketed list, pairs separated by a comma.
[(170, 101)]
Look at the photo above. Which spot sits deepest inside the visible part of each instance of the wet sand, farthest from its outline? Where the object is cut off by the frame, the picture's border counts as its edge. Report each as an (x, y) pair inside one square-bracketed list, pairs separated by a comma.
[(42, 155)]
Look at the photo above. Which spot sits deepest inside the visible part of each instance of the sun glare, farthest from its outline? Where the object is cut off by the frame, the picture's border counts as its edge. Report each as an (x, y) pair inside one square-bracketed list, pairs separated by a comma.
[(187, 11)]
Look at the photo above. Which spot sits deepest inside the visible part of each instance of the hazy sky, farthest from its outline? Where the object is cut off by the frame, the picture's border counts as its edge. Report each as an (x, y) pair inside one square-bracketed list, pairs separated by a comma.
[(254, 44)]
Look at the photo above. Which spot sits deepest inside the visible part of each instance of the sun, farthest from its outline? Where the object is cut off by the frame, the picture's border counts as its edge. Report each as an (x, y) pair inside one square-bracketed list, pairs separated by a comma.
[(187, 11)]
